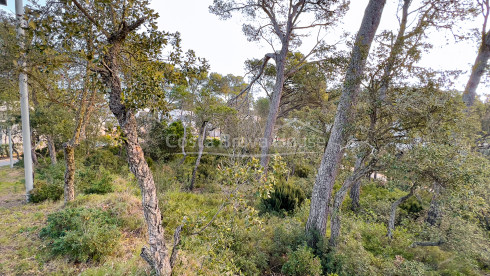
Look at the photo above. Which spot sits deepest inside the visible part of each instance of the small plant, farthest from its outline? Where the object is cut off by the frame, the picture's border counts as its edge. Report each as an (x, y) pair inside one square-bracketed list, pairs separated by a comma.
[(43, 191), (285, 197), (302, 262), (81, 234), (96, 182)]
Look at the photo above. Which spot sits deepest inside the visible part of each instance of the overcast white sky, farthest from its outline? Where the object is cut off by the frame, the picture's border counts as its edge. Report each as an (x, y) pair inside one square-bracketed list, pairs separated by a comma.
[(223, 44)]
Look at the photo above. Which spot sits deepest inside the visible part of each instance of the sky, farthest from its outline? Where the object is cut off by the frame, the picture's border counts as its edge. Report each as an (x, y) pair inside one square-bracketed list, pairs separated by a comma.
[(226, 48)]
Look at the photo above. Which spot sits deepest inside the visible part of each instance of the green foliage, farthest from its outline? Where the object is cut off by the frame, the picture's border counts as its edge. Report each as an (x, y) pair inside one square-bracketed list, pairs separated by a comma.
[(81, 234), (93, 181), (52, 173), (302, 262), (285, 198), (302, 170), (107, 158), (163, 142), (45, 191)]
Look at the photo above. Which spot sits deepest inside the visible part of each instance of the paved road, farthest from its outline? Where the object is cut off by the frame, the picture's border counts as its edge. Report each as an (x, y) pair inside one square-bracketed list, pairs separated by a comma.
[(6, 162)]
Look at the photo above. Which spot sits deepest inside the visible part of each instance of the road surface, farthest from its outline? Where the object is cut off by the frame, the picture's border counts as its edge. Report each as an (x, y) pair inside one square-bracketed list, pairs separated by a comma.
[(6, 162)]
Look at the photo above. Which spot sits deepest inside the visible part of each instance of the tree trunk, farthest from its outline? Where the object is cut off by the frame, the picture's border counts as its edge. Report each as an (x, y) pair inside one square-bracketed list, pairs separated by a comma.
[(477, 71), (69, 186), (355, 195), (9, 130), (202, 137), (434, 211), (52, 149), (380, 96), (317, 220), (33, 151), (274, 106), (391, 222), (359, 171), (184, 154), (157, 255)]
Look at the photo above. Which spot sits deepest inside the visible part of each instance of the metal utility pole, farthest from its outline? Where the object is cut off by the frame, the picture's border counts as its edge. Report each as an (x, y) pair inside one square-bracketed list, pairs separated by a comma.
[(24, 99), (9, 131)]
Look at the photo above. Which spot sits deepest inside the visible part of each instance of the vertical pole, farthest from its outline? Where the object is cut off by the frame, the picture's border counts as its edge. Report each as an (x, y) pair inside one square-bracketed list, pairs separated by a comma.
[(24, 100), (9, 130)]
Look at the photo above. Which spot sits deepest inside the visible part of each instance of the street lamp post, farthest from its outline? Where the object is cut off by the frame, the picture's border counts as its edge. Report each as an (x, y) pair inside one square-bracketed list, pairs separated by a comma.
[(24, 99)]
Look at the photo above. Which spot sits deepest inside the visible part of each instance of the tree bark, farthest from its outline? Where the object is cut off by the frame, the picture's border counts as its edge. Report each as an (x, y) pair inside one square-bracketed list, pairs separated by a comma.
[(359, 171), (9, 133), (157, 255), (380, 96), (355, 195), (202, 137), (477, 71), (434, 211), (317, 220), (274, 105), (391, 221), (69, 186), (51, 149), (184, 154), (33, 151)]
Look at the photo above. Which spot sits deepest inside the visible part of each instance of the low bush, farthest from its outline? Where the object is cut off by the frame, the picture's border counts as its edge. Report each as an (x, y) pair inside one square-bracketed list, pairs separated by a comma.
[(285, 198), (43, 191), (105, 157), (96, 181), (302, 262), (81, 234)]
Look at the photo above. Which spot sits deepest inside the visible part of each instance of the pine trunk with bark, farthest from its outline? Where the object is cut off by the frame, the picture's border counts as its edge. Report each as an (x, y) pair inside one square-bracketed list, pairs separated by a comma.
[(359, 171), (317, 220), (274, 105), (202, 137), (184, 154), (51, 149), (391, 221), (379, 97), (69, 186), (434, 210), (157, 254), (477, 71)]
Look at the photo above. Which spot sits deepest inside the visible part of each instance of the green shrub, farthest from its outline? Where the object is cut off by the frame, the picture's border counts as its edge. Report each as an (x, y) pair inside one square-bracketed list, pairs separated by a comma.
[(52, 173), (285, 198), (96, 181), (105, 157), (286, 238), (81, 234), (302, 262), (302, 171), (43, 191), (163, 141)]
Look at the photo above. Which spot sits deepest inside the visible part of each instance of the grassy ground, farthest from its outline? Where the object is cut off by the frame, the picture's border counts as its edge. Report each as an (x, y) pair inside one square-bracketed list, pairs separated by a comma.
[(22, 252)]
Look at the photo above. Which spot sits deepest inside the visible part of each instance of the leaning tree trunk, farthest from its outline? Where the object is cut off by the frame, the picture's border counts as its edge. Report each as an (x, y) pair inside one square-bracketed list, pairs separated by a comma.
[(317, 220), (69, 186), (477, 71), (434, 210), (274, 106), (391, 221), (157, 255), (359, 171), (202, 137), (51, 149), (380, 96), (355, 195)]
